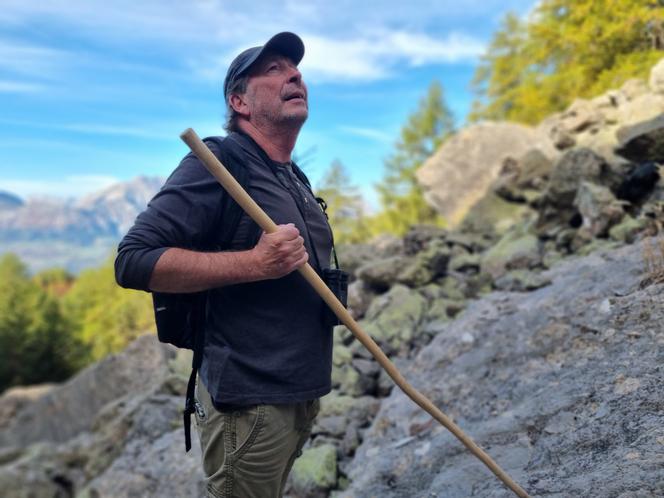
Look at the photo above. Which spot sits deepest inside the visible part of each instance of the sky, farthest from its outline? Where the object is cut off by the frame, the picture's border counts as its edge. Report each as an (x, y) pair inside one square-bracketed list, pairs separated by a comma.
[(94, 92)]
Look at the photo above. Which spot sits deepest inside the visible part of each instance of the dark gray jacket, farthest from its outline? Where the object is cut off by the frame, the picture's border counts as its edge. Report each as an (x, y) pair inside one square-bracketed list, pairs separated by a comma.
[(265, 341)]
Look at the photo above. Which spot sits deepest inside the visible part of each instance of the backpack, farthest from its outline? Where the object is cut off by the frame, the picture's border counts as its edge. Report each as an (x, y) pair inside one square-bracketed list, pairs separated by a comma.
[(180, 318)]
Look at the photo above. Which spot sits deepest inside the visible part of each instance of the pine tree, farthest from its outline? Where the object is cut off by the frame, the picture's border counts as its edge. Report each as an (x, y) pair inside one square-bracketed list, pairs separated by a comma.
[(36, 343), (106, 317), (401, 198), (345, 206), (566, 49)]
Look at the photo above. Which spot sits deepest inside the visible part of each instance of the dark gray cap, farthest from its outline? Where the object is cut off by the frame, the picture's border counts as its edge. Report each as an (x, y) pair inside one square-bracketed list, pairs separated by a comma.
[(286, 43)]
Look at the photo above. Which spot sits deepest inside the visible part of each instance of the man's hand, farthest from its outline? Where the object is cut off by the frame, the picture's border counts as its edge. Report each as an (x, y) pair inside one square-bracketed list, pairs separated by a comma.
[(279, 253)]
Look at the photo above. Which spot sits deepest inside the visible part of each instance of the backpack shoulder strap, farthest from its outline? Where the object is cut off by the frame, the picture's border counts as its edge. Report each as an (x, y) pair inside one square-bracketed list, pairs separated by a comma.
[(231, 213), (230, 155)]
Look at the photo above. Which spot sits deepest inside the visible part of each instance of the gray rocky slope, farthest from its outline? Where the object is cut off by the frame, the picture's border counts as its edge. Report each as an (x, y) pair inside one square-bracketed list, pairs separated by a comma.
[(561, 385)]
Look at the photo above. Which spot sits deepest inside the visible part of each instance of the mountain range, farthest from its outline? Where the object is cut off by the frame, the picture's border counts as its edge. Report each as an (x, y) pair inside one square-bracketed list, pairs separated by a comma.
[(72, 233)]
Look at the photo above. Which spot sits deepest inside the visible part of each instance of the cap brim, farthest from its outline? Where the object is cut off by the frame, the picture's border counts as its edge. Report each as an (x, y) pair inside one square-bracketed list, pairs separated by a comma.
[(286, 43)]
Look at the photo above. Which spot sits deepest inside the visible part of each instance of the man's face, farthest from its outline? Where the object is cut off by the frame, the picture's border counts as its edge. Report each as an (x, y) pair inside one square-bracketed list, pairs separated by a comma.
[(275, 92)]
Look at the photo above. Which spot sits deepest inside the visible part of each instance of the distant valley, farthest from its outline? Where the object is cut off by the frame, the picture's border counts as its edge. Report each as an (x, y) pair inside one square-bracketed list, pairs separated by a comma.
[(73, 234)]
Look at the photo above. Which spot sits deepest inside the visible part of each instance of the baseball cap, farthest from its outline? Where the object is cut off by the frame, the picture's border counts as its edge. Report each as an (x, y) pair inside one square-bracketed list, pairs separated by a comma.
[(285, 43)]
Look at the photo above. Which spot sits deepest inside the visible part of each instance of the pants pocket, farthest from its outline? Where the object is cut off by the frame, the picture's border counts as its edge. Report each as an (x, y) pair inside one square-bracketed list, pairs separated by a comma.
[(241, 428)]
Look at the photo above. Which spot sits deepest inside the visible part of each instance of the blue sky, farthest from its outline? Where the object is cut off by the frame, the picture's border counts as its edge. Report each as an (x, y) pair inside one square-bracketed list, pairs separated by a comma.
[(96, 92)]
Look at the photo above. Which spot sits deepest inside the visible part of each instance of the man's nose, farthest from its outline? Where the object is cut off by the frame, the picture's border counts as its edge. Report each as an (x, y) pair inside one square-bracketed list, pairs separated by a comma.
[(295, 75)]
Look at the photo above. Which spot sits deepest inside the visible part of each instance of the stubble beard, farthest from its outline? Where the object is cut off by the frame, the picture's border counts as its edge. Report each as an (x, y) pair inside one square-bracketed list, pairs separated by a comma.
[(292, 119)]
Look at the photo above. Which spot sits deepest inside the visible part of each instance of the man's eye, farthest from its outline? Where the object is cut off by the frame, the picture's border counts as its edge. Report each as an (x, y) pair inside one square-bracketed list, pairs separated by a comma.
[(273, 67)]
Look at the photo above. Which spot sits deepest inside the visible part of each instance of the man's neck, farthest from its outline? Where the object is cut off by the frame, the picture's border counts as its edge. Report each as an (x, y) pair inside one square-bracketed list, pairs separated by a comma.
[(278, 145)]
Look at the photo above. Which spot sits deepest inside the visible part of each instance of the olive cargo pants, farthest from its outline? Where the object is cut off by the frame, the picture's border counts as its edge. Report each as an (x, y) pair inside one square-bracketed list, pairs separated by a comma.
[(248, 453)]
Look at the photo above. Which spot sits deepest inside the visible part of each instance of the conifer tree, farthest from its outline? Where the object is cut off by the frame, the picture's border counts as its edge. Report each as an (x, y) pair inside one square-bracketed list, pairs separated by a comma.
[(36, 343), (566, 49), (401, 198), (345, 206)]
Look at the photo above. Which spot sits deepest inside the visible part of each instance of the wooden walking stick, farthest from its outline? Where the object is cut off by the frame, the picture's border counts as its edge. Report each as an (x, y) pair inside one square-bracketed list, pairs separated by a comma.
[(236, 191)]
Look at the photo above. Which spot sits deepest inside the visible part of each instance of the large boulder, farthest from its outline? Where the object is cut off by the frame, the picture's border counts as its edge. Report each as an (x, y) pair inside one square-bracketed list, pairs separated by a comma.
[(426, 265), (556, 205), (113, 430), (64, 411), (461, 171), (380, 274), (593, 123), (492, 216), (656, 80), (643, 141), (517, 249), (599, 209)]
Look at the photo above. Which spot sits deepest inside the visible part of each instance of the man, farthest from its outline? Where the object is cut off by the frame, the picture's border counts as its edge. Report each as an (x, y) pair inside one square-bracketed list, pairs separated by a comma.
[(267, 353)]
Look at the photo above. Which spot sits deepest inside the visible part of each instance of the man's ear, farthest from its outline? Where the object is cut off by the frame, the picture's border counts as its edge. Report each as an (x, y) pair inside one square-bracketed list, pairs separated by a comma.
[(239, 104)]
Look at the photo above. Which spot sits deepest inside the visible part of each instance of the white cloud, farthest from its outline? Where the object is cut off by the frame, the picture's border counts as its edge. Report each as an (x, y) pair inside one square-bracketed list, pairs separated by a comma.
[(145, 131), (207, 34), (8, 86), (373, 134), (69, 186), (18, 57), (377, 54)]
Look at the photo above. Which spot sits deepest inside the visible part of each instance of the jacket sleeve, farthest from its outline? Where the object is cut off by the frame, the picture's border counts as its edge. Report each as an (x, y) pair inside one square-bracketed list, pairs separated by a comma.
[(185, 213)]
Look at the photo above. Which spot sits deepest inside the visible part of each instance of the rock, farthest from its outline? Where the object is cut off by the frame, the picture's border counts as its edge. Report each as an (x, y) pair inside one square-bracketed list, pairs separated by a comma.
[(367, 368), (359, 298), (341, 355), (15, 398), (521, 281), (574, 167), (385, 382), (360, 409), (633, 88), (643, 141), (555, 208), (642, 108), (640, 182), (451, 288), (465, 263), (516, 249), (562, 139), (441, 311), (353, 256), (347, 380), (394, 319), (534, 170), (350, 441), (598, 207), (581, 114), (386, 245), (471, 242), (460, 172), (493, 216), (656, 81), (315, 472), (331, 426), (627, 230), (72, 406), (426, 265), (530, 376), (381, 274), (419, 236)]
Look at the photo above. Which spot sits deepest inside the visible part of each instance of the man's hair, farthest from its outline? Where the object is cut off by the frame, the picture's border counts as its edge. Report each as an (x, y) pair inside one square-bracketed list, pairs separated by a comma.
[(239, 86)]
